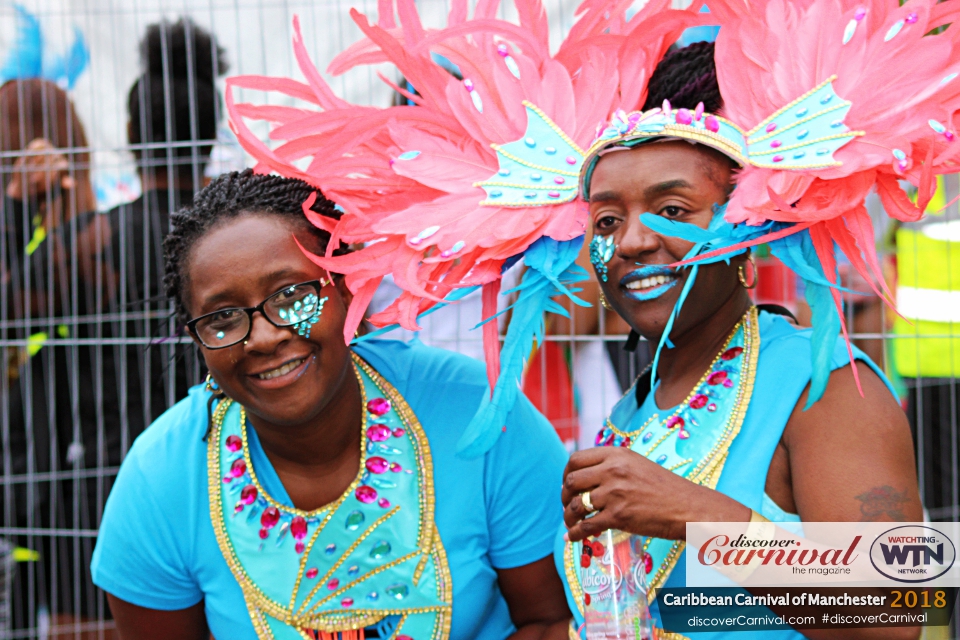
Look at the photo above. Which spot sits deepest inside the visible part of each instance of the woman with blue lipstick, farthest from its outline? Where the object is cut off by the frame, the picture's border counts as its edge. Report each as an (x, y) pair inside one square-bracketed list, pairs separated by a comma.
[(730, 423)]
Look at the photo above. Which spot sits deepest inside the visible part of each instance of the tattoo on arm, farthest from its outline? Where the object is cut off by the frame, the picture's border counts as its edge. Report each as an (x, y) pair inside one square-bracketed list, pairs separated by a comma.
[(883, 502)]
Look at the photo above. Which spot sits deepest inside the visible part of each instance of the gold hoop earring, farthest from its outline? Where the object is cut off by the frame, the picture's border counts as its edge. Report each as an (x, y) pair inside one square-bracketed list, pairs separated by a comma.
[(605, 302), (213, 387), (741, 275)]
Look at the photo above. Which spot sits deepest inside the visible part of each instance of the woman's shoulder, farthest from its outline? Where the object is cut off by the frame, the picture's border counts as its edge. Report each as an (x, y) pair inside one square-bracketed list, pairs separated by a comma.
[(174, 440), (403, 363), (787, 345)]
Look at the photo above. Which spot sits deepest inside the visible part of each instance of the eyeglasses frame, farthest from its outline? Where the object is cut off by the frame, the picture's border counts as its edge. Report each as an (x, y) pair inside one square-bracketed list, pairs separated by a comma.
[(192, 324)]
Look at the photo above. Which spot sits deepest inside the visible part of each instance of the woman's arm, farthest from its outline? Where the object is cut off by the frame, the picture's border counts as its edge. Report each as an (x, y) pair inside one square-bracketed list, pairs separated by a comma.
[(847, 458), (535, 597), (139, 623)]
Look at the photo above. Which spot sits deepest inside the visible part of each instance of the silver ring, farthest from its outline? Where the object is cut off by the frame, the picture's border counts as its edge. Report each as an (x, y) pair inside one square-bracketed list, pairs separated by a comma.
[(585, 499)]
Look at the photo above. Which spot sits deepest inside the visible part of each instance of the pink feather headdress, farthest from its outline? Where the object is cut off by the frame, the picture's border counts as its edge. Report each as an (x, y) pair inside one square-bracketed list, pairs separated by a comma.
[(405, 175)]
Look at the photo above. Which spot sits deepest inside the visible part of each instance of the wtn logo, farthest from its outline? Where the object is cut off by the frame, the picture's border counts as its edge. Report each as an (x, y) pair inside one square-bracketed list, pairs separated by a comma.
[(899, 554), (912, 553)]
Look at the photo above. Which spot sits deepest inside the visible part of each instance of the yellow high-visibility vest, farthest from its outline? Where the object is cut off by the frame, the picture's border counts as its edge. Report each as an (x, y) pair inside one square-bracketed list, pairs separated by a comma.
[(928, 292)]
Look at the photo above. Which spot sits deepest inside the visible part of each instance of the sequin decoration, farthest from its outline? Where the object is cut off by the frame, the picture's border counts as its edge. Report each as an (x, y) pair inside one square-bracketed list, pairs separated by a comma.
[(601, 252), (508, 60)]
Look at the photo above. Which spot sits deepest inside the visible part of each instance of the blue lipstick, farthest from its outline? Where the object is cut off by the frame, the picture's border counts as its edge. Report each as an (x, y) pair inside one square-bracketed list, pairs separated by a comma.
[(651, 290)]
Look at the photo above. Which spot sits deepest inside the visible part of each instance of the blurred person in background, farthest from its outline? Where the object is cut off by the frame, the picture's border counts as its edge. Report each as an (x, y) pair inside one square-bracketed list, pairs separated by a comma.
[(47, 194)]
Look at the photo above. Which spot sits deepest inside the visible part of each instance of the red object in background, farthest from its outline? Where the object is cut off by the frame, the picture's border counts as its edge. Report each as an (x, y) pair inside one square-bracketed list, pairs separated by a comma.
[(548, 385), (777, 285)]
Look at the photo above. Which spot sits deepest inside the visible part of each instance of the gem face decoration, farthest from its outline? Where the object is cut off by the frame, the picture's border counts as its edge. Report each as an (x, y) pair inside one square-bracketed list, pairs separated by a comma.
[(601, 252), (303, 314)]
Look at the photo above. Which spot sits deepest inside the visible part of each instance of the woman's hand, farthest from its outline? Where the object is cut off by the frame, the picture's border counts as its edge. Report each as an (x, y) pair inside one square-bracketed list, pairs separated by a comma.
[(33, 175), (631, 493)]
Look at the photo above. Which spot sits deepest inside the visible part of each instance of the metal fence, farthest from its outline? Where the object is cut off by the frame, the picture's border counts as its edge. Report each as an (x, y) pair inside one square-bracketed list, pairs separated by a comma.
[(91, 350)]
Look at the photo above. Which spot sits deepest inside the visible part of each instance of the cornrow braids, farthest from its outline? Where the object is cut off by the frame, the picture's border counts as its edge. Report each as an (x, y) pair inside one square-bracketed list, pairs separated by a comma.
[(227, 197), (686, 77)]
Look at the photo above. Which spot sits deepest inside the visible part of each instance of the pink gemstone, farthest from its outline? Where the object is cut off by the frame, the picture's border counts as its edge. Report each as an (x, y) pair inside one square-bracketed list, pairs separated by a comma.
[(333, 584), (227, 478), (383, 502), (248, 494), (728, 383), (771, 127), (404, 638), (599, 439), (698, 112), (234, 443), (666, 107), (553, 194), (378, 406), (299, 547), (376, 464), (778, 158), (684, 116), (647, 563), (674, 421), (468, 84), (365, 494), (347, 602), (716, 377), (559, 180), (238, 468), (711, 407), (571, 160), (683, 434), (398, 432), (731, 353), (698, 401), (263, 534), (626, 442), (775, 144), (610, 439), (859, 14), (712, 124), (395, 467), (948, 135), (502, 50), (298, 528), (911, 18), (378, 432), (270, 517), (237, 508), (312, 573)]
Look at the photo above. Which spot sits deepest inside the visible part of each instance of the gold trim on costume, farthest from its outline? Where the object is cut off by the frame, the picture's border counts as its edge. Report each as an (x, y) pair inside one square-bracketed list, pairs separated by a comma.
[(429, 546)]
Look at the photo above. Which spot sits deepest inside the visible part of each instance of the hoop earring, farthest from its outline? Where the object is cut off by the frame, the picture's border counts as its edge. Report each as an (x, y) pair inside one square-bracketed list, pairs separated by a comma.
[(213, 387), (605, 302), (741, 275)]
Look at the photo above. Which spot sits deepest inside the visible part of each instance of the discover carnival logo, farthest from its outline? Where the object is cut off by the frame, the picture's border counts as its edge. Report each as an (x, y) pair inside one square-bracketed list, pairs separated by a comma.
[(912, 553)]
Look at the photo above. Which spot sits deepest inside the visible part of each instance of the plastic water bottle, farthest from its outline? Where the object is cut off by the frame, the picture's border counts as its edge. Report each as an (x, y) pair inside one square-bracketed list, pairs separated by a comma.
[(613, 575)]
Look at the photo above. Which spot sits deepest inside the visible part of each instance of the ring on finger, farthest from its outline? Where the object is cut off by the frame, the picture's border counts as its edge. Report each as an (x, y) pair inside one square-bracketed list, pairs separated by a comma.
[(585, 499)]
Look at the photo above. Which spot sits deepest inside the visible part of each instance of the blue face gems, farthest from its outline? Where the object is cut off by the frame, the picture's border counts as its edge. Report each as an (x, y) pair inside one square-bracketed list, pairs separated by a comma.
[(601, 251), (303, 314)]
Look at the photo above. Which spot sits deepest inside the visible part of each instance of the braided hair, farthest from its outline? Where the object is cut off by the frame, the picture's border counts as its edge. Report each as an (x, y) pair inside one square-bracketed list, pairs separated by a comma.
[(686, 77), (228, 197)]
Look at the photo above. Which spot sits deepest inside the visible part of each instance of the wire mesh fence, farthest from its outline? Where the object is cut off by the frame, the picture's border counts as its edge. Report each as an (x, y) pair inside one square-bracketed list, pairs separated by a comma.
[(108, 122)]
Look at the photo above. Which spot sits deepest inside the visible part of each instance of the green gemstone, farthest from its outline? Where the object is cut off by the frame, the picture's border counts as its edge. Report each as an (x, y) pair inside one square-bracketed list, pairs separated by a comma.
[(380, 550), (354, 520), (398, 591)]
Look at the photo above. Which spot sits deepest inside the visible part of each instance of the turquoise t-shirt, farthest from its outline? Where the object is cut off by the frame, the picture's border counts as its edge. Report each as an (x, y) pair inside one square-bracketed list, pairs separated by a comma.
[(156, 546)]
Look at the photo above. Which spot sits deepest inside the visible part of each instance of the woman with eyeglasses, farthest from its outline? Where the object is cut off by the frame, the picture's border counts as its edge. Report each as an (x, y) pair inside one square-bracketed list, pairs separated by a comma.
[(311, 489)]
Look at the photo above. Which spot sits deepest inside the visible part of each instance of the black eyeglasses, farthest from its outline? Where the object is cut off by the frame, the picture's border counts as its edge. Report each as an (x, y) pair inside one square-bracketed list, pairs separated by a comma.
[(298, 304)]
